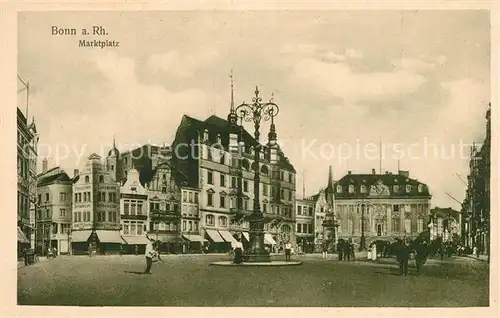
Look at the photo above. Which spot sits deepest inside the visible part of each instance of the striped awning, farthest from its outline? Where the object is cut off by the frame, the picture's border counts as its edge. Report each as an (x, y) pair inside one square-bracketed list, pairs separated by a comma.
[(21, 237), (194, 238), (228, 237), (268, 239), (109, 237), (215, 236), (136, 239), (80, 236), (246, 235)]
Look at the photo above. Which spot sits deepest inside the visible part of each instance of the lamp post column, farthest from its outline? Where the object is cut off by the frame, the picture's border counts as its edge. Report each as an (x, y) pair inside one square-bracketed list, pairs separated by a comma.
[(256, 112)]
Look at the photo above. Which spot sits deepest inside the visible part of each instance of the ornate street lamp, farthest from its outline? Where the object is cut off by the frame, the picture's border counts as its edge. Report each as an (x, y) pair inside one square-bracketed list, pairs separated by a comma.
[(256, 112), (361, 205)]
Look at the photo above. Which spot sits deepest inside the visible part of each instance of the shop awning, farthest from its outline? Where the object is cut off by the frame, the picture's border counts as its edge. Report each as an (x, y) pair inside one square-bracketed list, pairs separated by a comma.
[(21, 237), (268, 239), (194, 238), (80, 236), (215, 236), (109, 236), (246, 235), (136, 239), (228, 237)]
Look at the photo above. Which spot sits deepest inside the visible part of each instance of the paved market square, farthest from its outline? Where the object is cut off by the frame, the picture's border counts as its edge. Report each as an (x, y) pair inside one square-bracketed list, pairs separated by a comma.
[(191, 280)]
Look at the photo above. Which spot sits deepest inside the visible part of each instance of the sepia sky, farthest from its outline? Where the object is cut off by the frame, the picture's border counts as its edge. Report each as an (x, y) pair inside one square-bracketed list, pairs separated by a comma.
[(344, 81)]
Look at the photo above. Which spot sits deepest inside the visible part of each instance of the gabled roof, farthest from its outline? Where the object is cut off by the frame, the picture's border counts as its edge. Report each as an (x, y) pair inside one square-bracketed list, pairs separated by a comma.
[(59, 177), (445, 212), (46, 172), (216, 125)]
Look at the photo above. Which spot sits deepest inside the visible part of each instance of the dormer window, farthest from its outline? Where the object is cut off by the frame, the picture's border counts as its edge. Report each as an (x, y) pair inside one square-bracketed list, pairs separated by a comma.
[(420, 188), (351, 188), (395, 188), (339, 189), (408, 188), (205, 135), (218, 139), (363, 189)]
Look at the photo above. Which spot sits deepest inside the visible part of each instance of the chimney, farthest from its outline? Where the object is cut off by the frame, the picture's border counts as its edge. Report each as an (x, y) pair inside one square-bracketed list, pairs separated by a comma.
[(75, 173), (45, 163), (349, 172), (373, 171)]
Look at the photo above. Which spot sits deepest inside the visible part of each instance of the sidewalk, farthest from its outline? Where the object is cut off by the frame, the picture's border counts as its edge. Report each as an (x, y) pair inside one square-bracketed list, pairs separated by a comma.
[(482, 257)]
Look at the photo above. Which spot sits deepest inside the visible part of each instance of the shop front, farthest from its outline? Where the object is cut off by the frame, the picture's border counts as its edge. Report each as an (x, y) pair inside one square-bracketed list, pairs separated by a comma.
[(216, 243), (193, 244)]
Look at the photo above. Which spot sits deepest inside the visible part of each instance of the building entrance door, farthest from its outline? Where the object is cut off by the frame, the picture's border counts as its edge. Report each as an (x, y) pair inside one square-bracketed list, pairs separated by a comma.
[(379, 229)]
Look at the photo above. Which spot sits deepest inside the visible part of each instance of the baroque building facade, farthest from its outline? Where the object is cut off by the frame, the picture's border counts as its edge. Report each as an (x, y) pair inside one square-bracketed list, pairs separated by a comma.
[(305, 224), (390, 205), (96, 209), (27, 143), (54, 211)]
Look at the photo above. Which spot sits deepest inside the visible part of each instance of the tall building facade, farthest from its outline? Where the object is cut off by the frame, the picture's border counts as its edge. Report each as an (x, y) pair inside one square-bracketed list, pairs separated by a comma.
[(134, 213), (27, 143), (390, 205), (217, 155), (476, 205), (96, 209), (164, 205), (54, 212), (446, 224), (305, 232)]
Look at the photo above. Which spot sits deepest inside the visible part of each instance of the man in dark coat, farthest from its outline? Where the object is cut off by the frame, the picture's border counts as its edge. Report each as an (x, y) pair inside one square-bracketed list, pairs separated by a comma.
[(422, 252), (404, 256), (340, 249)]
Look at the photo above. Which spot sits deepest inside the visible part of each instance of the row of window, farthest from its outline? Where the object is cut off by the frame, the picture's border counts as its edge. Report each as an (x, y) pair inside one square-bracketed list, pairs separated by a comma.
[(133, 228), (102, 216), (190, 226), (63, 197), (395, 226), (133, 207), (163, 226), (191, 196), (285, 194), (23, 205), (210, 220), (395, 188), (55, 228), (305, 210), (305, 228), (163, 206), (101, 197), (351, 208)]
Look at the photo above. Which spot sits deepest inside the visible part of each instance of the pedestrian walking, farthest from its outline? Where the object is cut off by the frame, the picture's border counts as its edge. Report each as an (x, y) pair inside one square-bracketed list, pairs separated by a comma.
[(325, 249), (149, 254), (340, 249), (476, 251), (90, 250), (288, 251), (238, 252)]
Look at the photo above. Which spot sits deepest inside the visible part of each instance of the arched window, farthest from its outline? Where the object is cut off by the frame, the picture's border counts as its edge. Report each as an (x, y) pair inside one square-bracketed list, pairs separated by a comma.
[(420, 188), (339, 189), (209, 219), (408, 188), (420, 225), (396, 225), (351, 188), (222, 221), (363, 189), (101, 179), (245, 164), (395, 188), (254, 166), (87, 179), (205, 135), (264, 170), (218, 139)]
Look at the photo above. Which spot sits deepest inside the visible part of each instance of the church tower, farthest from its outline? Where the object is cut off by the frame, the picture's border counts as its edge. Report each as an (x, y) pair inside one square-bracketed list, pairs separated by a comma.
[(232, 118), (113, 163)]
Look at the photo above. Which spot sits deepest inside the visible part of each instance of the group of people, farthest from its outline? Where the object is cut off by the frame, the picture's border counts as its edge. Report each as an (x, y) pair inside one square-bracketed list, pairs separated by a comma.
[(346, 250), (239, 251)]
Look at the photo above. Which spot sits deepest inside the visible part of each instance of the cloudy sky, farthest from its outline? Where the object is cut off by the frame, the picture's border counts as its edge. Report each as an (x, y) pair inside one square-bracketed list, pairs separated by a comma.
[(344, 80)]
